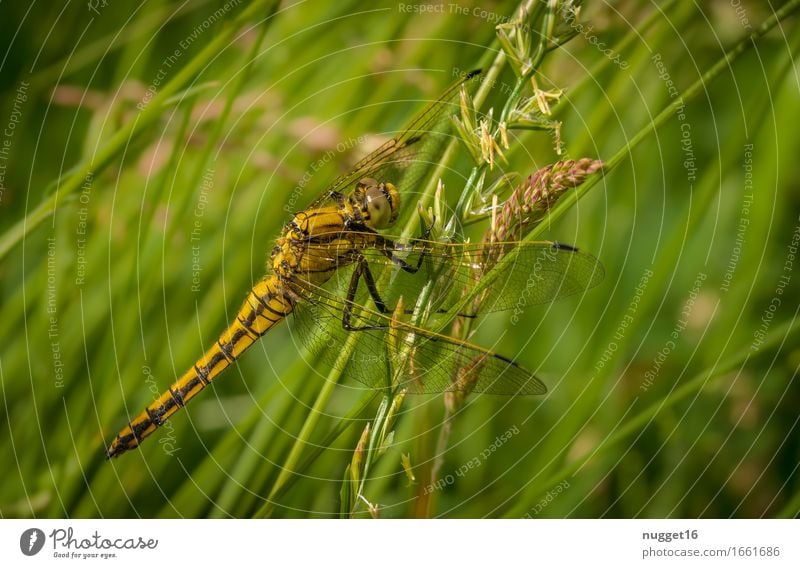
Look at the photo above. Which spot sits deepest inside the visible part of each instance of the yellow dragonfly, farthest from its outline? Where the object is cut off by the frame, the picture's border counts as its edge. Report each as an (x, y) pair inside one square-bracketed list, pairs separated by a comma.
[(325, 253)]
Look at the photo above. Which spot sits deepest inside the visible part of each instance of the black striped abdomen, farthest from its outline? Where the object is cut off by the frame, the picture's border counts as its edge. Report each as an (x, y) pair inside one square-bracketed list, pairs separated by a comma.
[(264, 307)]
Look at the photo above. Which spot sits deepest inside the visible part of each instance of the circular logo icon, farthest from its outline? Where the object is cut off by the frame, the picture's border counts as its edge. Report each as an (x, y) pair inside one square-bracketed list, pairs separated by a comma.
[(31, 541)]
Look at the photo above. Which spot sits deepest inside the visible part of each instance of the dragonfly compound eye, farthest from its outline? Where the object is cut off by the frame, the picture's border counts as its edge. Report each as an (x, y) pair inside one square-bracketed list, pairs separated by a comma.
[(382, 203)]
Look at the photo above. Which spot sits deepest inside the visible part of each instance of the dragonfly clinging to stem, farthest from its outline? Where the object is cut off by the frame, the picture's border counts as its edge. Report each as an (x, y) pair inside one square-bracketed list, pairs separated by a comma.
[(322, 271)]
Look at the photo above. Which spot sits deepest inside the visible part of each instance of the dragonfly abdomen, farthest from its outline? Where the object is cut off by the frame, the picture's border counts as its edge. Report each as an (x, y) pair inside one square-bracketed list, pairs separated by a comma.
[(266, 306)]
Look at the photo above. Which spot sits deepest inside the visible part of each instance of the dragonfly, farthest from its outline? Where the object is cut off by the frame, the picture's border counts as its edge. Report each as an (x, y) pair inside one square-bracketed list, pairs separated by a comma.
[(335, 273)]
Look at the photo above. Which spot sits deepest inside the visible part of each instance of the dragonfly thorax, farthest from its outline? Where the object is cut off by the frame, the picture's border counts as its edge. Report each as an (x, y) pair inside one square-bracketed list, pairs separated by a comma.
[(377, 202)]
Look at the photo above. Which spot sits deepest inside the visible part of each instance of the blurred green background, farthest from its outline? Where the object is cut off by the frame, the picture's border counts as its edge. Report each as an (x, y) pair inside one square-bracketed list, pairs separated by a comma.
[(673, 385)]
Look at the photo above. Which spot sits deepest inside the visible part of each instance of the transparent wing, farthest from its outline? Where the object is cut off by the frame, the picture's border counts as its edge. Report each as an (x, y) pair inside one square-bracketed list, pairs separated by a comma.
[(539, 273), (405, 158), (427, 362)]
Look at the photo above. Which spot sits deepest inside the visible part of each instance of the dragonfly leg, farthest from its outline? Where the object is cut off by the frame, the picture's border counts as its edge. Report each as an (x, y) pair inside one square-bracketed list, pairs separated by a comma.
[(387, 248), (362, 269)]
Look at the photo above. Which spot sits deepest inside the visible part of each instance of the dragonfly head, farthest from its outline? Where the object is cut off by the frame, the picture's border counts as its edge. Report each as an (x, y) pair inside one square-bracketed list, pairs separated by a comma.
[(379, 202)]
